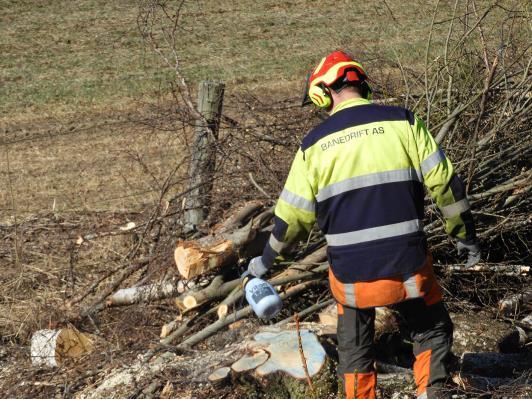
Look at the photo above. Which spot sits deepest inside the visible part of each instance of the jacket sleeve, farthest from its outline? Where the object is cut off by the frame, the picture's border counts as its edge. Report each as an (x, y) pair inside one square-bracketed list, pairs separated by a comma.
[(444, 185), (294, 213)]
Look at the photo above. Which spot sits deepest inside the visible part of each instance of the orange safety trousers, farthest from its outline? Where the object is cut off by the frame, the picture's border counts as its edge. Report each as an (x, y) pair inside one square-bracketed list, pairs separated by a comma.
[(430, 329)]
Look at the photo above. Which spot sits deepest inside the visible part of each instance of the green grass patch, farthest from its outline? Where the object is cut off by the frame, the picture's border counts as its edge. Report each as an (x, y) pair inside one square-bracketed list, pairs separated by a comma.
[(70, 54)]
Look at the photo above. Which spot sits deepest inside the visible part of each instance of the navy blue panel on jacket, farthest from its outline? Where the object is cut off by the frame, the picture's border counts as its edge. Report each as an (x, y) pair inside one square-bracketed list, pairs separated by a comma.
[(279, 228), (269, 255), (355, 116), (369, 207), (378, 259)]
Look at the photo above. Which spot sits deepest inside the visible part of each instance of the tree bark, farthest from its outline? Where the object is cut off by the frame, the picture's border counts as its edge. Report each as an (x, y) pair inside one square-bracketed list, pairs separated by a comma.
[(478, 332), (146, 293)]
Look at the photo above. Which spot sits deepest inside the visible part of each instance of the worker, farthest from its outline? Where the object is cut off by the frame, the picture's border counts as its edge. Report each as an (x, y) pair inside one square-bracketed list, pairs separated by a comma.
[(360, 175)]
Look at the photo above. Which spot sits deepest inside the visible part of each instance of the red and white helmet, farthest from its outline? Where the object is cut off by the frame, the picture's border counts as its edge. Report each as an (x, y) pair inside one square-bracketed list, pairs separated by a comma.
[(335, 67)]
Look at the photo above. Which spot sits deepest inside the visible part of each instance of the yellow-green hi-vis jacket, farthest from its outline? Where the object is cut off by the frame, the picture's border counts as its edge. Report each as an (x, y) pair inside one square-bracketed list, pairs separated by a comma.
[(360, 175)]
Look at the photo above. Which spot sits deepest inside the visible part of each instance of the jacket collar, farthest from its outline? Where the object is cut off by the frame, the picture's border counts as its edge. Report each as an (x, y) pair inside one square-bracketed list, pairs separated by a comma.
[(349, 103)]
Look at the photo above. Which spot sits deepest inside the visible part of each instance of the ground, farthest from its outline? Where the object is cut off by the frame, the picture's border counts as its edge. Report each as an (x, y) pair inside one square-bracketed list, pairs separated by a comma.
[(92, 138)]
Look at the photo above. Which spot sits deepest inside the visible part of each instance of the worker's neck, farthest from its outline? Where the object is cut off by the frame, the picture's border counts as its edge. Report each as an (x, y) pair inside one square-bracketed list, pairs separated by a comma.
[(345, 95)]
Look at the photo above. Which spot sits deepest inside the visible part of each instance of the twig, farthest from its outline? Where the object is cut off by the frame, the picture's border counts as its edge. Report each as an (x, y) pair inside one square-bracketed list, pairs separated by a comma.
[(302, 354), (99, 303), (258, 187), (487, 84), (307, 311)]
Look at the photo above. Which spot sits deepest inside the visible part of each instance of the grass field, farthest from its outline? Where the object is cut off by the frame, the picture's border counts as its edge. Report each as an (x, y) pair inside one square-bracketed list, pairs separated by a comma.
[(75, 75), (66, 56)]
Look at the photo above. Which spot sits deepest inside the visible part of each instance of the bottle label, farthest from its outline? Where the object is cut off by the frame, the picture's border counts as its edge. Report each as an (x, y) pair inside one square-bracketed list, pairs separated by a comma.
[(260, 292)]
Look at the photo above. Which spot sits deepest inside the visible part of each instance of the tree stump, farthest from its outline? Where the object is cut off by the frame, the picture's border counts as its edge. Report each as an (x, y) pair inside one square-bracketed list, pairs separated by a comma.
[(273, 366)]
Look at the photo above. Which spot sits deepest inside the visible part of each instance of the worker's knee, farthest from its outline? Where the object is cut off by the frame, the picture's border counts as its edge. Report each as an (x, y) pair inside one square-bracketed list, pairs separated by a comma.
[(355, 363), (355, 341), (435, 331)]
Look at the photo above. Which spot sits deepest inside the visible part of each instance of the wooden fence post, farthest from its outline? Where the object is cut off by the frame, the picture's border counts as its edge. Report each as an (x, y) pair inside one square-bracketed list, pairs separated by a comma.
[(203, 155)]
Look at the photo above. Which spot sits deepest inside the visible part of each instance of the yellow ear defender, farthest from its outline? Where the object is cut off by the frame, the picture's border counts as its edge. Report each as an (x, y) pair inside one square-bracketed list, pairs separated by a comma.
[(320, 97)]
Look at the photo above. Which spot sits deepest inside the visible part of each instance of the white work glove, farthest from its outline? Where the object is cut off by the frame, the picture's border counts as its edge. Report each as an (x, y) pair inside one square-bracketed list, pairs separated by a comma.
[(472, 250), (256, 267)]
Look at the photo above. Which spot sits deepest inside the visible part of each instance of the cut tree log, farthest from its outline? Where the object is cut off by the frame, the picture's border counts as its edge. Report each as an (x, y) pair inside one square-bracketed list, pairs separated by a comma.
[(491, 364), (223, 247), (232, 298), (193, 260), (192, 299), (189, 300), (167, 328), (146, 293), (478, 332), (50, 347)]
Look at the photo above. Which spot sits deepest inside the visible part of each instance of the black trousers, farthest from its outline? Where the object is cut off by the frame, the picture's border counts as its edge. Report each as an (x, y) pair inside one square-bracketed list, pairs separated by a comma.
[(431, 331)]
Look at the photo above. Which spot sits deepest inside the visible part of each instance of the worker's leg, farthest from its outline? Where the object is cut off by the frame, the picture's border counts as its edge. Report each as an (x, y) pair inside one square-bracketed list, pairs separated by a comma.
[(432, 332), (356, 328)]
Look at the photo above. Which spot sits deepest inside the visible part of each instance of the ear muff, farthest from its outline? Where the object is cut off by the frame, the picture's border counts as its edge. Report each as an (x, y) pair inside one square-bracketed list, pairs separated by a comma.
[(367, 93), (319, 96)]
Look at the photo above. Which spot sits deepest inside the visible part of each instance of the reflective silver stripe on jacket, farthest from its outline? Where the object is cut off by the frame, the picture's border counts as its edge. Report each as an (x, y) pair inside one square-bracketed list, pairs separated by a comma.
[(277, 246), (454, 209), (372, 179), (374, 233), (422, 396), (432, 160), (411, 287), (297, 201)]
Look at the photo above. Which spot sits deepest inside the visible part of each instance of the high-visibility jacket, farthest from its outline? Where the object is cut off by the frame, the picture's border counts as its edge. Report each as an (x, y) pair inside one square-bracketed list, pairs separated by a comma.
[(360, 175)]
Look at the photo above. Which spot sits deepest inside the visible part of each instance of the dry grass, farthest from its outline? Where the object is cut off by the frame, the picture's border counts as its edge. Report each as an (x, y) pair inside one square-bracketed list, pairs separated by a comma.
[(96, 165)]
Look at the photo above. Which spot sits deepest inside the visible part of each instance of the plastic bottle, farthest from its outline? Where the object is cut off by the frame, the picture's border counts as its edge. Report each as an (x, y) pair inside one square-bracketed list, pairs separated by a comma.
[(262, 297)]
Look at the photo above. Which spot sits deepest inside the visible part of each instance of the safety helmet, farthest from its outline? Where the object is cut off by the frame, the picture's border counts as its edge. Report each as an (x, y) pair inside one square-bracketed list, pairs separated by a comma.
[(336, 69)]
